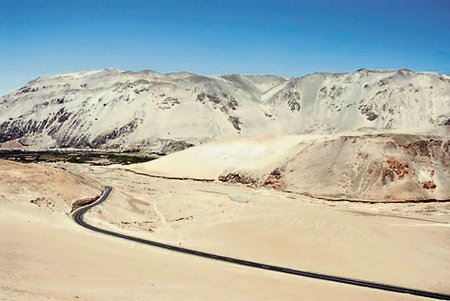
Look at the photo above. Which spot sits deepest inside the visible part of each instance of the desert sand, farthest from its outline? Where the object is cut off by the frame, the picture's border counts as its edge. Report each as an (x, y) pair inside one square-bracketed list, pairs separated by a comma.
[(44, 255), (62, 261)]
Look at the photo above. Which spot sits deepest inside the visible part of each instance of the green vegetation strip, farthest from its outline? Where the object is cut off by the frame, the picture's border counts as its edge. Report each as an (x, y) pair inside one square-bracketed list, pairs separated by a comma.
[(89, 157)]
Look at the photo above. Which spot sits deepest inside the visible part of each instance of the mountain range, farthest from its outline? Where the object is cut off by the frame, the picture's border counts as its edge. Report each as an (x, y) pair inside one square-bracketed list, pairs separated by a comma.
[(151, 111)]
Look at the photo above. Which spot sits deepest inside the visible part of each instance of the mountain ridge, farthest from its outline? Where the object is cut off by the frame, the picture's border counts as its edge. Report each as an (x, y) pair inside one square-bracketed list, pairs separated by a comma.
[(148, 110)]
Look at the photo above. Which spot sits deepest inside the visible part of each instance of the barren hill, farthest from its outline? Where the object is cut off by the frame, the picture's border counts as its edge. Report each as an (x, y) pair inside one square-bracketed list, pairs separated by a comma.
[(389, 166), (168, 112)]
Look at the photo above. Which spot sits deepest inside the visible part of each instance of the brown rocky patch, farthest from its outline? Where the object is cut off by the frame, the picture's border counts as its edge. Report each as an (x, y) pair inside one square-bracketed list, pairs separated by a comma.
[(83, 202), (423, 147), (238, 178), (401, 168), (43, 202), (394, 167), (274, 179), (429, 185)]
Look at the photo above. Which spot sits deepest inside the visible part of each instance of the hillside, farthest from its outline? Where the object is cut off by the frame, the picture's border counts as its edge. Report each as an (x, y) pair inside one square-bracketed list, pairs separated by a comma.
[(389, 166), (44, 186), (148, 110)]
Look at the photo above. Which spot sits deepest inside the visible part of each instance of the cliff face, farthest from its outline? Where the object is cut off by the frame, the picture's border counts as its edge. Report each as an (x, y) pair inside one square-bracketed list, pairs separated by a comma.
[(167, 112)]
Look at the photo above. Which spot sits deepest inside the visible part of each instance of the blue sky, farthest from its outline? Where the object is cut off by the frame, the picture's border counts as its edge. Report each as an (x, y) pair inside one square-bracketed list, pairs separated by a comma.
[(290, 38)]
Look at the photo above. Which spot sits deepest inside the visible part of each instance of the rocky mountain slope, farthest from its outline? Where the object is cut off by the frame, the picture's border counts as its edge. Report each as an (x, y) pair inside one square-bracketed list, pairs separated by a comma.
[(168, 112)]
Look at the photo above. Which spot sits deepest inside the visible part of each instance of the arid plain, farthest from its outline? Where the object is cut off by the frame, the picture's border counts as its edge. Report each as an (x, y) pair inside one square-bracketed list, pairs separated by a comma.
[(46, 256)]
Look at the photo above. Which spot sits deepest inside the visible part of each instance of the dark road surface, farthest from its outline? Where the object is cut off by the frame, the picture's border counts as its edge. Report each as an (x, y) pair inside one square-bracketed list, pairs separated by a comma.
[(78, 218)]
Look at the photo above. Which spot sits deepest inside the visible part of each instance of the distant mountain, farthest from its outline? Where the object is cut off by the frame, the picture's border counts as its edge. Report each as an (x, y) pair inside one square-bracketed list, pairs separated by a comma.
[(110, 109)]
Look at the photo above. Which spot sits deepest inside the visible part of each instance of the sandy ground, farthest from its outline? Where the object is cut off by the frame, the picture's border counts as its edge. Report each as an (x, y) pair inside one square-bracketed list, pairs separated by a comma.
[(44, 185), (407, 244), (45, 256)]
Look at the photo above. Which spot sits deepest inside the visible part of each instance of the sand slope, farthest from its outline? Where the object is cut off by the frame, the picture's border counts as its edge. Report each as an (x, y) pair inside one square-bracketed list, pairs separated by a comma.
[(392, 166), (44, 186), (64, 262), (44, 255), (396, 243)]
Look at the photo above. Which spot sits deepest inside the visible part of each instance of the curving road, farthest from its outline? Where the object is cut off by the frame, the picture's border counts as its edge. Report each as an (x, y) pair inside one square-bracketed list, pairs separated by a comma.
[(78, 218)]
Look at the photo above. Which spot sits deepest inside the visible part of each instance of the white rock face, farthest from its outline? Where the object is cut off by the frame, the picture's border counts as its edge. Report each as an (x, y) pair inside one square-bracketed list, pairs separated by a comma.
[(166, 112)]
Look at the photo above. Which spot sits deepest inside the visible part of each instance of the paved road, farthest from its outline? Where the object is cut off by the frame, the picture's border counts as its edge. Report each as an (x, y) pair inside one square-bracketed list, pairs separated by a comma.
[(78, 218)]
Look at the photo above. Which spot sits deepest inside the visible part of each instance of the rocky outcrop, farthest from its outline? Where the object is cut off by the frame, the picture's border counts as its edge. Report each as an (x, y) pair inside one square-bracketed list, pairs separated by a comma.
[(274, 180), (293, 98), (169, 103), (238, 178), (101, 140), (395, 168), (223, 102), (367, 110), (83, 202), (429, 185), (159, 146), (235, 121)]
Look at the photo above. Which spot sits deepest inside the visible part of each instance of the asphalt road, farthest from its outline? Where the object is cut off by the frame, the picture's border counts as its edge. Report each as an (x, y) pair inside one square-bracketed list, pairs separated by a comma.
[(78, 218)]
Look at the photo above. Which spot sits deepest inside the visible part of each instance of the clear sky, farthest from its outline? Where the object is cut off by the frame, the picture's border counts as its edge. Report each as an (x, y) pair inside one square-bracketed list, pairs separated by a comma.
[(283, 37)]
